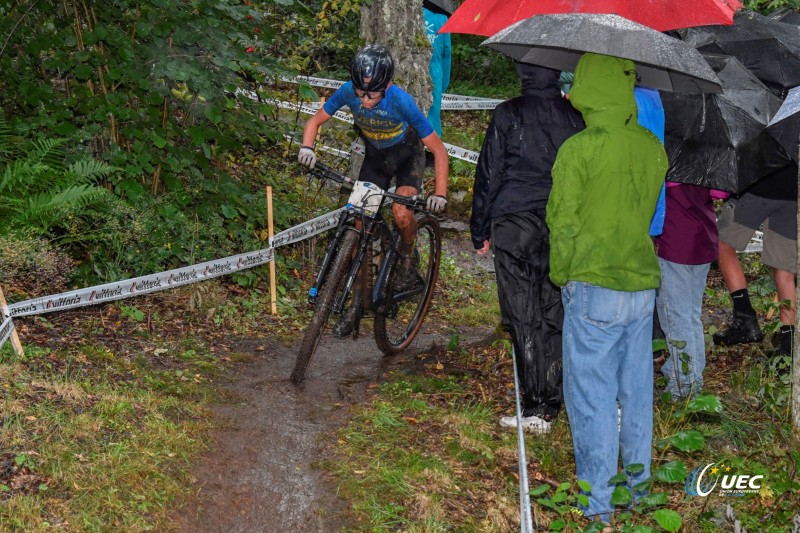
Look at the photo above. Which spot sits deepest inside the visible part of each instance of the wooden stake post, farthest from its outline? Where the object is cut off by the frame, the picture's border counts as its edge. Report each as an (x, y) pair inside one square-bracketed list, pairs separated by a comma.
[(14, 337), (271, 233)]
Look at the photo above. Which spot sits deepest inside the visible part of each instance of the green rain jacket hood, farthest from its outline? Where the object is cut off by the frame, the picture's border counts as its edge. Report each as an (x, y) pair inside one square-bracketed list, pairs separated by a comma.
[(606, 181)]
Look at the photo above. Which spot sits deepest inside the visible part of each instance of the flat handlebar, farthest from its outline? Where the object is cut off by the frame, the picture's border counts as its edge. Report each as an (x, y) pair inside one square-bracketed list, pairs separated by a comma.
[(322, 171)]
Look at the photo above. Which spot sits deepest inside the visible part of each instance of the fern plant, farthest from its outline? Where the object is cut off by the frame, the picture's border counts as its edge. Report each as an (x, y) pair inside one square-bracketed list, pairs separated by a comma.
[(42, 192)]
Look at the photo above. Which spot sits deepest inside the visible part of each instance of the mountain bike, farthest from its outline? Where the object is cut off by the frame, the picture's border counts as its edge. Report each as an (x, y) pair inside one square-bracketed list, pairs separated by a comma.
[(365, 249)]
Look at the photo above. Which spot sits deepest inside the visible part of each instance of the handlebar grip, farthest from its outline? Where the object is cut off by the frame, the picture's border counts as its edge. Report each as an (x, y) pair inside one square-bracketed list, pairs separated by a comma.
[(325, 172)]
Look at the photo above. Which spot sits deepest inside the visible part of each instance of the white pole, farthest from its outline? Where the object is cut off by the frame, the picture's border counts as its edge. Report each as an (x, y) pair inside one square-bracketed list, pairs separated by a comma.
[(525, 519)]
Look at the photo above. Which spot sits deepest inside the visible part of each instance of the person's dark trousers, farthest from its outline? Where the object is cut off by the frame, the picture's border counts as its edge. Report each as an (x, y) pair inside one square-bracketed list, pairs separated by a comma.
[(531, 307)]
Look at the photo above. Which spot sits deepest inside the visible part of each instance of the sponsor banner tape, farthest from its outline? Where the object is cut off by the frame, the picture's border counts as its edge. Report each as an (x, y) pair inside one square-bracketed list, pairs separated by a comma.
[(316, 82), (463, 105), (307, 229), (756, 244), (462, 153), (5, 330), (141, 285), (312, 109), (320, 147), (173, 278), (335, 84), (446, 97), (454, 151)]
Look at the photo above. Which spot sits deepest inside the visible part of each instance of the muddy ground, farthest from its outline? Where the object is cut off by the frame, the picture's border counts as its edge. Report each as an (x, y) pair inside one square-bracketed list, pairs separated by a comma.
[(260, 475)]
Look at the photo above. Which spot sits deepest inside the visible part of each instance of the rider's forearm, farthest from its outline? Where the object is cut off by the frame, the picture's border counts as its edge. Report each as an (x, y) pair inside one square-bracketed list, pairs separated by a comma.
[(311, 128), (441, 168), (441, 164)]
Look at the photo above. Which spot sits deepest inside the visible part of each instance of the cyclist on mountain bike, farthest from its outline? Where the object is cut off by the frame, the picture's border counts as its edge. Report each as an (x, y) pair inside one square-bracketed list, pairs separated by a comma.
[(394, 130)]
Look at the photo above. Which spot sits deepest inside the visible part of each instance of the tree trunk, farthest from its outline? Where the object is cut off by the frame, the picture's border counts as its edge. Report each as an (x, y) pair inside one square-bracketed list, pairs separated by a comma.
[(399, 26)]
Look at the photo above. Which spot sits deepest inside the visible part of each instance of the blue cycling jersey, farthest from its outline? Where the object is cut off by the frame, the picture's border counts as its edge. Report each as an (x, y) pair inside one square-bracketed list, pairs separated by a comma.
[(385, 124)]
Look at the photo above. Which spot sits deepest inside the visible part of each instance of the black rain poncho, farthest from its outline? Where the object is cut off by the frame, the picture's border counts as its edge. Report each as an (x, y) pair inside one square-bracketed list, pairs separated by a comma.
[(512, 184), (520, 148)]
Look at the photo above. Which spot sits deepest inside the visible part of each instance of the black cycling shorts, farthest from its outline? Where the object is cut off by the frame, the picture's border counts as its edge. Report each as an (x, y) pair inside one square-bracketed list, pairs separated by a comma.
[(404, 161)]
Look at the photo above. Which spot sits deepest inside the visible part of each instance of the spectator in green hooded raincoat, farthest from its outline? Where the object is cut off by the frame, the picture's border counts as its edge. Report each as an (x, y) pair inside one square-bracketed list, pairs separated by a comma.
[(606, 182)]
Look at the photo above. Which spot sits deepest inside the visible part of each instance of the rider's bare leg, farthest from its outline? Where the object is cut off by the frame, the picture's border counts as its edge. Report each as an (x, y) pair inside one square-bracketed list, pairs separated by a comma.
[(404, 218)]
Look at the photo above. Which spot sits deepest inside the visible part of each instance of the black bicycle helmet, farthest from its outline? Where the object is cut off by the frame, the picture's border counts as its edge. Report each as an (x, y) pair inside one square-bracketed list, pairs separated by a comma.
[(374, 62)]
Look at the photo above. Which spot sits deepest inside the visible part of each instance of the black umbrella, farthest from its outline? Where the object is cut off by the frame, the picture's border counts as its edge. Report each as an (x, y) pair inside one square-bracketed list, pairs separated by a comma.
[(445, 7), (785, 125), (770, 49), (559, 41), (787, 15), (718, 140)]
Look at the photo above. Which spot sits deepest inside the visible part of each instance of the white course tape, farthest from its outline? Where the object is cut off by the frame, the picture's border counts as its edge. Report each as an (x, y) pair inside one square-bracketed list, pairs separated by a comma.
[(316, 82), (6, 329), (311, 109), (756, 244), (446, 97), (463, 105), (335, 84), (173, 278), (462, 153), (307, 229), (320, 147), (454, 151), (141, 285)]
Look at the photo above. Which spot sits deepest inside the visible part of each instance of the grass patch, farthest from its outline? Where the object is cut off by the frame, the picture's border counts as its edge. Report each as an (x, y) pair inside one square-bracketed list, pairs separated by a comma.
[(466, 299), (426, 454), (101, 439)]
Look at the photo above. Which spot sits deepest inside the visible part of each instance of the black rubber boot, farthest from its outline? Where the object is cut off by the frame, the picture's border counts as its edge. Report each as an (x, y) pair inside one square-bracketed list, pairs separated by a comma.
[(407, 276), (742, 329), (785, 341), (347, 322)]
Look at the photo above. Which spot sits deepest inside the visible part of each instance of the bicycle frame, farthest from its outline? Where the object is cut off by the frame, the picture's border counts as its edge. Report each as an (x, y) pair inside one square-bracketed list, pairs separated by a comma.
[(368, 225), (397, 308)]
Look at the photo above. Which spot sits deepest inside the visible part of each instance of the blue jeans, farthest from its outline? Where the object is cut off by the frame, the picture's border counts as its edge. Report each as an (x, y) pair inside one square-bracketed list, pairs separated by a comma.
[(608, 359), (680, 303)]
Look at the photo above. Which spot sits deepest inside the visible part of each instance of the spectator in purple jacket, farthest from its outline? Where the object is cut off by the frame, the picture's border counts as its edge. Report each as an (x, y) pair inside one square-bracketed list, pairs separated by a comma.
[(686, 248)]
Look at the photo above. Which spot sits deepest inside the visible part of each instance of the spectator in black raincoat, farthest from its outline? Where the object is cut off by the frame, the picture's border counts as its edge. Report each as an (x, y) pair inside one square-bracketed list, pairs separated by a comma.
[(512, 185)]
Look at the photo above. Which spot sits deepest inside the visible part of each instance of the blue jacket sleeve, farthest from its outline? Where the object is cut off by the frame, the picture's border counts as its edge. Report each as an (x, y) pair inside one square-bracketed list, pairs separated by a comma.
[(339, 98), (657, 223), (651, 116)]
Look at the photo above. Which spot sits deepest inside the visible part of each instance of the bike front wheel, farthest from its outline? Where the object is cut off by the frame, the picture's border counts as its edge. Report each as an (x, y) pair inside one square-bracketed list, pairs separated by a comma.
[(396, 326), (332, 285)]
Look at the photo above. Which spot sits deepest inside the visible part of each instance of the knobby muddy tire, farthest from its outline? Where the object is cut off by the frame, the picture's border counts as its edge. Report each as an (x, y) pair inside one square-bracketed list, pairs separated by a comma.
[(330, 288), (391, 335)]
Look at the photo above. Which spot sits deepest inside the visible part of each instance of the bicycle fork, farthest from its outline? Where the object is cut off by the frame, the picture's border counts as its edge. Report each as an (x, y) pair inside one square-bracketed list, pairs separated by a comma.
[(360, 277), (326, 261)]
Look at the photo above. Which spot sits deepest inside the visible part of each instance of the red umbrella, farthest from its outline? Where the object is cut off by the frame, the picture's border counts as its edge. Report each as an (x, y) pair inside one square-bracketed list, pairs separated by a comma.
[(487, 17)]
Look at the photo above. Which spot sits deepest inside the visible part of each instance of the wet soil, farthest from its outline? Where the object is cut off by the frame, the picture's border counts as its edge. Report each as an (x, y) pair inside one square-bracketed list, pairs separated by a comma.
[(262, 473)]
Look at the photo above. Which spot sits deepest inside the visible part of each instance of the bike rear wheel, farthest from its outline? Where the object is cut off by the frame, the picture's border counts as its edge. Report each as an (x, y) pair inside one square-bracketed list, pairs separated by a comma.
[(322, 308), (396, 326)]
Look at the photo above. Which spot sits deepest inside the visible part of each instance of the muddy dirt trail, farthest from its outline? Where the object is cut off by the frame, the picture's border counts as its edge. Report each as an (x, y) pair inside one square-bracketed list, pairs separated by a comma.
[(260, 475)]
